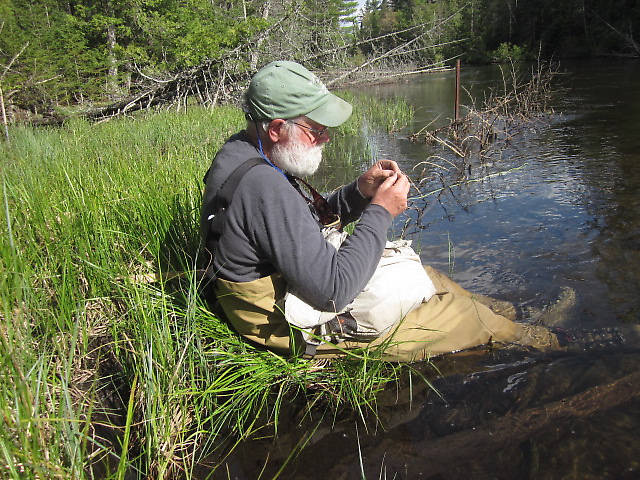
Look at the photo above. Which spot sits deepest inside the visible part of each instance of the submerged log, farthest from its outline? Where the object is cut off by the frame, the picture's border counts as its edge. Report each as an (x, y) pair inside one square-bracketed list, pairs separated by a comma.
[(517, 427)]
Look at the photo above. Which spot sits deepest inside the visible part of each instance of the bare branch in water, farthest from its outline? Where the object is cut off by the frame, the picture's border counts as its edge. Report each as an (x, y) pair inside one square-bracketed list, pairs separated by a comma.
[(484, 133)]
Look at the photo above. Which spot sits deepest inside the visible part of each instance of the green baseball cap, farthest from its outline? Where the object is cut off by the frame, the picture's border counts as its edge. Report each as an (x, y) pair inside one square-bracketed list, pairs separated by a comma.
[(284, 89)]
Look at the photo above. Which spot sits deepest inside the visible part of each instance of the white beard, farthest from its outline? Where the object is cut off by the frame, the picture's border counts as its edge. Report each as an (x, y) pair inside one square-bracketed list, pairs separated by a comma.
[(296, 158)]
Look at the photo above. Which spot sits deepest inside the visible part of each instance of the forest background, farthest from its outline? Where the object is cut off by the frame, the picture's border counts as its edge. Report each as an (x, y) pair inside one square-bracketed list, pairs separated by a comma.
[(56, 54)]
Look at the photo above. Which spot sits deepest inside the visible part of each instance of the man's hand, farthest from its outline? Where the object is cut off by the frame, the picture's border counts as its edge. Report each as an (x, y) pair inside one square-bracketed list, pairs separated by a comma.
[(370, 181), (392, 193)]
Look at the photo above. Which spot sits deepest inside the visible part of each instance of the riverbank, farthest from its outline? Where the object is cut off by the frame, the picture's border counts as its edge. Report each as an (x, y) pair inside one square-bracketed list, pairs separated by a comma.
[(109, 368), (146, 103)]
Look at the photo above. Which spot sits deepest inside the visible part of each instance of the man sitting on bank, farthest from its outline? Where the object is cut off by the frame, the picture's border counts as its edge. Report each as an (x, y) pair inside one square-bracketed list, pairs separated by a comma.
[(264, 238)]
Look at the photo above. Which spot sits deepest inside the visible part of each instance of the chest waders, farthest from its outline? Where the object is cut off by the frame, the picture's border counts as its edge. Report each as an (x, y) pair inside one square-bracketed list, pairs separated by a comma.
[(452, 320)]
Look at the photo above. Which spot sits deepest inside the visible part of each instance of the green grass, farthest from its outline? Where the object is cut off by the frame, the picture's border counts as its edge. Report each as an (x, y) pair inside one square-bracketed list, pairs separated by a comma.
[(102, 373), (352, 147)]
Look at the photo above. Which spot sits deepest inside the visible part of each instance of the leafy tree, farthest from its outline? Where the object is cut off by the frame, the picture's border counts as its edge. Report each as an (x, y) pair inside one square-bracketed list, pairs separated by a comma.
[(348, 16), (55, 66), (67, 51)]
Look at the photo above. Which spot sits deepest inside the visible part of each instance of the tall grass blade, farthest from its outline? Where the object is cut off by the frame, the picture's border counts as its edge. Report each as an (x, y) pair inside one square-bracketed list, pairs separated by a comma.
[(124, 456), (6, 214)]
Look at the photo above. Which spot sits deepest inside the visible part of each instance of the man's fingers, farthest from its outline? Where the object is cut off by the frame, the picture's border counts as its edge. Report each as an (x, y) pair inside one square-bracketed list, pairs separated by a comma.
[(397, 181), (389, 181), (384, 174), (392, 194), (405, 182), (389, 165), (401, 182)]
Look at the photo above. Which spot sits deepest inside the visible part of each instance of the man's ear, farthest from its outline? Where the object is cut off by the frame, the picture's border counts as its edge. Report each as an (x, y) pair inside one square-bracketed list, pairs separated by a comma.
[(274, 130)]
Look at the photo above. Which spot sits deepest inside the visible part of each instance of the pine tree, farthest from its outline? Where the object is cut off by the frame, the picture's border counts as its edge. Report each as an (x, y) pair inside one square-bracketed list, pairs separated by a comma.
[(349, 15)]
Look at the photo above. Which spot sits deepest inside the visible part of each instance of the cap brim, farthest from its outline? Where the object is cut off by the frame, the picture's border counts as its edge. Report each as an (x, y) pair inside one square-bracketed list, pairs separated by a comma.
[(331, 113)]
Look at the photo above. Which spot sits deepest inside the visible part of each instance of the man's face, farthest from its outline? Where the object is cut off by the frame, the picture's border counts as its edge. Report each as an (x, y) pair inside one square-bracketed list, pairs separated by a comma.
[(299, 151)]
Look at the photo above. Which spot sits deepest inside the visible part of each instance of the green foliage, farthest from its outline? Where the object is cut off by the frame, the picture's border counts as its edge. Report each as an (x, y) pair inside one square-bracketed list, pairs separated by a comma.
[(507, 52), (184, 34), (75, 51), (570, 28), (54, 63), (348, 15)]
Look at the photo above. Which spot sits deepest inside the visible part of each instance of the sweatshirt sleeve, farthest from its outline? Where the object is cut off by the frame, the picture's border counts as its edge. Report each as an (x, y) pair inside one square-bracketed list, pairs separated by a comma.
[(284, 231)]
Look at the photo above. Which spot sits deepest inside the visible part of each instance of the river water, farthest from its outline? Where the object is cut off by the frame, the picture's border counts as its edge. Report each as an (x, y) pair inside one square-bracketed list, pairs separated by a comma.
[(562, 223), (568, 218)]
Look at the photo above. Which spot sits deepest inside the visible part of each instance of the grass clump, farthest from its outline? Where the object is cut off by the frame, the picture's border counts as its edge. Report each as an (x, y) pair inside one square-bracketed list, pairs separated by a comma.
[(103, 372), (353, 145)]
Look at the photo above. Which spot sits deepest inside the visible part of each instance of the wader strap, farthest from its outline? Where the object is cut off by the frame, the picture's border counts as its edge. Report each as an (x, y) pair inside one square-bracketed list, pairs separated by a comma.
[(300, 346), (215, 214), (229, 186)]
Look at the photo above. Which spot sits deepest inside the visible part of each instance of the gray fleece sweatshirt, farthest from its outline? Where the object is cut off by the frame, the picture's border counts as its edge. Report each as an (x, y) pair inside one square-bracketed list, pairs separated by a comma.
[(270, 228)]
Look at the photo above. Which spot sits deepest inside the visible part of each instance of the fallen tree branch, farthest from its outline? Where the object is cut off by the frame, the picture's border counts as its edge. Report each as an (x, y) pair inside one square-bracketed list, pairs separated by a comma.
[(628, 38), (364, 42), (391, 52), (222, 79), (13, 59)]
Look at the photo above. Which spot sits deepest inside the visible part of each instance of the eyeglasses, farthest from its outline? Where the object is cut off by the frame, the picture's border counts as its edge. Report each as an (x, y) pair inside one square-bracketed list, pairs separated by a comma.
[(318, 132)]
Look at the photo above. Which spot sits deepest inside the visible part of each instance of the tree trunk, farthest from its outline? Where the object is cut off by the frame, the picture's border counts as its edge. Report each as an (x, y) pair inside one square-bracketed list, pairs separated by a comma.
[(4, 116), (254, 54), (112, 74)]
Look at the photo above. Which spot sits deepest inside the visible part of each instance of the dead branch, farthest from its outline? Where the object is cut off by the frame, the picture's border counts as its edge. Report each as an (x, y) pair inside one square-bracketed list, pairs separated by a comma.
[(13, 59), (394, 51), (374, 60), (626, 37), (483, 133), (364, 42)]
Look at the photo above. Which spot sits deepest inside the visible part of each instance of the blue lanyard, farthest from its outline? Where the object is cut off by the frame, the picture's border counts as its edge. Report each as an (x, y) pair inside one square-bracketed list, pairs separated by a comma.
[(264, 157)]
